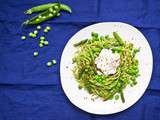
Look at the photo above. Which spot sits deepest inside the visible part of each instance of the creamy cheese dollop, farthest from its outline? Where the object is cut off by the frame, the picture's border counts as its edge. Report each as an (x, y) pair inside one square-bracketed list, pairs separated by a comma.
[(107, 62)]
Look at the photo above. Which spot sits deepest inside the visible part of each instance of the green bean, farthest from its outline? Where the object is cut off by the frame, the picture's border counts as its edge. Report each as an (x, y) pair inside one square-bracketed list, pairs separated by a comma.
[(118, 38), (80, 43), (122, 96)]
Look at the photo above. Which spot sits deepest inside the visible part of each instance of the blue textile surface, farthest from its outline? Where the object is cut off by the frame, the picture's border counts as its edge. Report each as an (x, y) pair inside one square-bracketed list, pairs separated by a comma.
[(31, 91)]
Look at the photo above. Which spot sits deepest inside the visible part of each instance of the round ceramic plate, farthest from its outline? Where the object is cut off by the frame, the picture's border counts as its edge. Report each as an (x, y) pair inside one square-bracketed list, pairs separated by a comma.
[(81, 98)]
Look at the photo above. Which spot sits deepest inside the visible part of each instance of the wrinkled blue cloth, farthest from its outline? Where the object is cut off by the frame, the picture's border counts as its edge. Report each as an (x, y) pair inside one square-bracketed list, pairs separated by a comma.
[(31, 91)]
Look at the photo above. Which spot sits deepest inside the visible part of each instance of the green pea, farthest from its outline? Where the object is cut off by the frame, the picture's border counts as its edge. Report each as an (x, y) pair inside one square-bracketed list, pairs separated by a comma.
[(44, 17), (42, 38), (35, 32), (48, 28), (56, 7), (50, 14), (49, 64), (42, 41), (40, 45), (37, 20), (40, 16), (38, 27), (45, 30), (58, 14), (34, 35), (30, 34), (54, 62), (50, 9), (93, 34), (54, 12), (23, 37), (35, 54), (46, 42), (116, 97)]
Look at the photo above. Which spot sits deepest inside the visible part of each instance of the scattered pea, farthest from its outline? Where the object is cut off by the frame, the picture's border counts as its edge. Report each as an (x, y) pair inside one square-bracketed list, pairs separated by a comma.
[(38, 27), (42, 41), (42, 38), (49, 64), (48, 28), (54, 62), (34, 35), (40, 45), (35, 54), (23, 37), (35, 32), (45, 30), (46, 42), (30, 34)]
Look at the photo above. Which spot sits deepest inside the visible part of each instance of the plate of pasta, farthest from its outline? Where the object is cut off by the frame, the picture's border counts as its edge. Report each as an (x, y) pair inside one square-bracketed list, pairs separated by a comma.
[(106, 67)]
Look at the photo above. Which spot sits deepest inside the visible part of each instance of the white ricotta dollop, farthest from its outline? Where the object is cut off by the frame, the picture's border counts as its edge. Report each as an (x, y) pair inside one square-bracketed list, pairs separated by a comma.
[(107, 62)]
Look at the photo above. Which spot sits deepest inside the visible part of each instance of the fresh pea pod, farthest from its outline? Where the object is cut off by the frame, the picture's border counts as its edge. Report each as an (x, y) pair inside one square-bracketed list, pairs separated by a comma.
[(46, 15), (65, 8), (47, 6), (40, 8)]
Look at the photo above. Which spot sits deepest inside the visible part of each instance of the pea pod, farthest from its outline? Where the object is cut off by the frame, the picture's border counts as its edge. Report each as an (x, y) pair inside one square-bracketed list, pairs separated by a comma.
[(47, 6), (46, 15), (39, 8)]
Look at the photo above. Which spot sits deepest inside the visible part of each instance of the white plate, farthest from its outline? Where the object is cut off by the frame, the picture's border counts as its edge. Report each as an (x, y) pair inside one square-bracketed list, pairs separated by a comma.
[(81, 98)]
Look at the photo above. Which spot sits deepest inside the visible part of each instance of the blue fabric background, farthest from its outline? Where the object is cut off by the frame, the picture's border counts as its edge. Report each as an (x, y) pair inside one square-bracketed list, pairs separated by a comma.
[(31, 91)]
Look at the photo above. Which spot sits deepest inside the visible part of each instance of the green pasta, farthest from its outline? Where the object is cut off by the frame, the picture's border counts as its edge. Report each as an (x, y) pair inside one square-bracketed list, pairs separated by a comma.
[(106, 87)]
